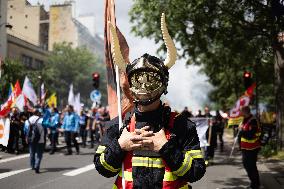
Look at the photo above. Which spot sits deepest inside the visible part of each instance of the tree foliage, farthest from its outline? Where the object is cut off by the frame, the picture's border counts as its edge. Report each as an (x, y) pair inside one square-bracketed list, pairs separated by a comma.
[(65, 65), (13, 70), (225, 37), (68, 65)]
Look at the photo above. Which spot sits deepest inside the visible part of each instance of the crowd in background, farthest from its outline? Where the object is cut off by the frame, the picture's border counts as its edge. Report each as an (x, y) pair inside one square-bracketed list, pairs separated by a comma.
[(214, 132), (85, 127)]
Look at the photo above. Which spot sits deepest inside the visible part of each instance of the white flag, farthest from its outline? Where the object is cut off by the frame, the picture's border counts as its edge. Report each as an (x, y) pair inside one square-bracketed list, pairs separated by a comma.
[(77, 105), (201, 128), (20, 102), (71, 97), (4, 131), (42, 92), (28, 91)]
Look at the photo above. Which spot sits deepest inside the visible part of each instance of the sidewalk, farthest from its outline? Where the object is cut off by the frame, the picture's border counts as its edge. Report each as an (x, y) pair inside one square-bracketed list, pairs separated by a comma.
[(272, 173), (228, 173)]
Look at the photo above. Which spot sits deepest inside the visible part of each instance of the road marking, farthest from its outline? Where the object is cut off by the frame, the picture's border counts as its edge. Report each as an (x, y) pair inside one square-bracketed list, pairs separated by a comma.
[(10, 173), (14, 158), (80, 170)]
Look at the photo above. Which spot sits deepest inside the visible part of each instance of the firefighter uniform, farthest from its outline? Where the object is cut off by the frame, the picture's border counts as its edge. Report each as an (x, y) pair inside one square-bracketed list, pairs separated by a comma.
[(178, 162), (250, 146)]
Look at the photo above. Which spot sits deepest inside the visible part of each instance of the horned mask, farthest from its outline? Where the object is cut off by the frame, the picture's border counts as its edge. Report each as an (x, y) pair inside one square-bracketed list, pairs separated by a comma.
[(148, 75)]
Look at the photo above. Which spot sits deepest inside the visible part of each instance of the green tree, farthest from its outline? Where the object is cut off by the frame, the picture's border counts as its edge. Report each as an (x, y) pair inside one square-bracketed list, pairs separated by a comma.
[(14, 70), (226, 38), (68, 65)]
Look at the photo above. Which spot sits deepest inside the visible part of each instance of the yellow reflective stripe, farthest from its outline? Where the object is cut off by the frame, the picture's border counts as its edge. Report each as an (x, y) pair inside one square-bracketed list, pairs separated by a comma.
[(127, 175), (100, 149), (195, 154), (184, 187), (194, 151), (147, 162), (114, 187), (258, 134), (249, 141), (169, 176), (186, 164), (106, 165), (147, 165)]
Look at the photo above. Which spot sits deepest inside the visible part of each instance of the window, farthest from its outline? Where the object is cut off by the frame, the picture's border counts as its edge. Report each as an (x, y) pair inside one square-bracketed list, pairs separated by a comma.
[(26, 27), (27, 60), (11, 6), (26, 16), (38, 64), (11, 17)]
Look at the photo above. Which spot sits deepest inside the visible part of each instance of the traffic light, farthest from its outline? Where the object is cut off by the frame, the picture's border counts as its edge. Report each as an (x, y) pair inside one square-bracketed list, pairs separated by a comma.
[(247, 79), (96, 80)]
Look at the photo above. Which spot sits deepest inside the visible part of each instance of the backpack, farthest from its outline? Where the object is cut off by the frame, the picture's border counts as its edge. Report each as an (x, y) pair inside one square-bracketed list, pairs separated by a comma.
[(33, 132)]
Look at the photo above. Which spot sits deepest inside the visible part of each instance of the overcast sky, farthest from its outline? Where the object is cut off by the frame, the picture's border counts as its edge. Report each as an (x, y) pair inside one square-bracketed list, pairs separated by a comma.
[(186, 87)]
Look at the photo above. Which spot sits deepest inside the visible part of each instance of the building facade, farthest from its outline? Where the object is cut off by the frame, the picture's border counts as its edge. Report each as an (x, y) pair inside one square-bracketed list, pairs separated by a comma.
[(29, 54), (65, 27), (35, 31), (30, 22), (3, 29)]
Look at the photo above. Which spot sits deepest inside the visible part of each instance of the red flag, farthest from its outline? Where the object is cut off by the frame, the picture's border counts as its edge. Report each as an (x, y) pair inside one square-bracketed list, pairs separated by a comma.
[(6, 107), (111, 82), (244, 100), (17, 89), (249, 91)]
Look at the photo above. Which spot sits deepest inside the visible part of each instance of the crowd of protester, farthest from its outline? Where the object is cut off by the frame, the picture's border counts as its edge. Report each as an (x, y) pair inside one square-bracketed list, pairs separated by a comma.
[(85, 127), (214, 132)]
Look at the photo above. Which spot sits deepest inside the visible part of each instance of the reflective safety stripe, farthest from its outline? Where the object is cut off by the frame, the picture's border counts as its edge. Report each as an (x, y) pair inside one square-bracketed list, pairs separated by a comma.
[(147, 162), (184, 187), (169, 176), (258, 134), (186, 164), (195, 154), (100, 149), (194, 151), (106, 165), (188, 157), (127, 175), (249, 140)]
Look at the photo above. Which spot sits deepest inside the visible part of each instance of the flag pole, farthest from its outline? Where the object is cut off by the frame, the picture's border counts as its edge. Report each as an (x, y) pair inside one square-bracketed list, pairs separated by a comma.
[(118, 96), (234, 144), (119, 114)]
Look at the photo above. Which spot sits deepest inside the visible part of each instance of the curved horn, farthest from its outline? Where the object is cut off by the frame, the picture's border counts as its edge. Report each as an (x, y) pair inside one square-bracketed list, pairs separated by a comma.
[(115, 48), (171, 49)]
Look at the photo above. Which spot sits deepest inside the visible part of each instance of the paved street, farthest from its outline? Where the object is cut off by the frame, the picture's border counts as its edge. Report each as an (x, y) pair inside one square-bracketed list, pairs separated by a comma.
[(57, 171), (77, 171)]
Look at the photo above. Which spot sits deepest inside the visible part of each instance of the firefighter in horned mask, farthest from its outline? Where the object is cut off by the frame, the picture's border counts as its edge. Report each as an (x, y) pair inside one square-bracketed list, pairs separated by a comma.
[(155, 148)]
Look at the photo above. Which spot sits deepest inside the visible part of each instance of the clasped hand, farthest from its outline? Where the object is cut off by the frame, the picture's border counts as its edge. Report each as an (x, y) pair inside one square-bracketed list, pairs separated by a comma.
[(142, 139)]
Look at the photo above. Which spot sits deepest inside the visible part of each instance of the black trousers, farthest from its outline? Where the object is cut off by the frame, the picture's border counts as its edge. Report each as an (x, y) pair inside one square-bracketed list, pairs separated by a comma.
[(249, 162), (23, 138), (53, 137), (71, 137), (13, 143), (83, 134), (209, 152), (220, 136)]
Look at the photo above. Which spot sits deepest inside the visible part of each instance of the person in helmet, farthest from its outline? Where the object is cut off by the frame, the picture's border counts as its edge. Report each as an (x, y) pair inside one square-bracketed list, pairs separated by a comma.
[(155, 148)]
